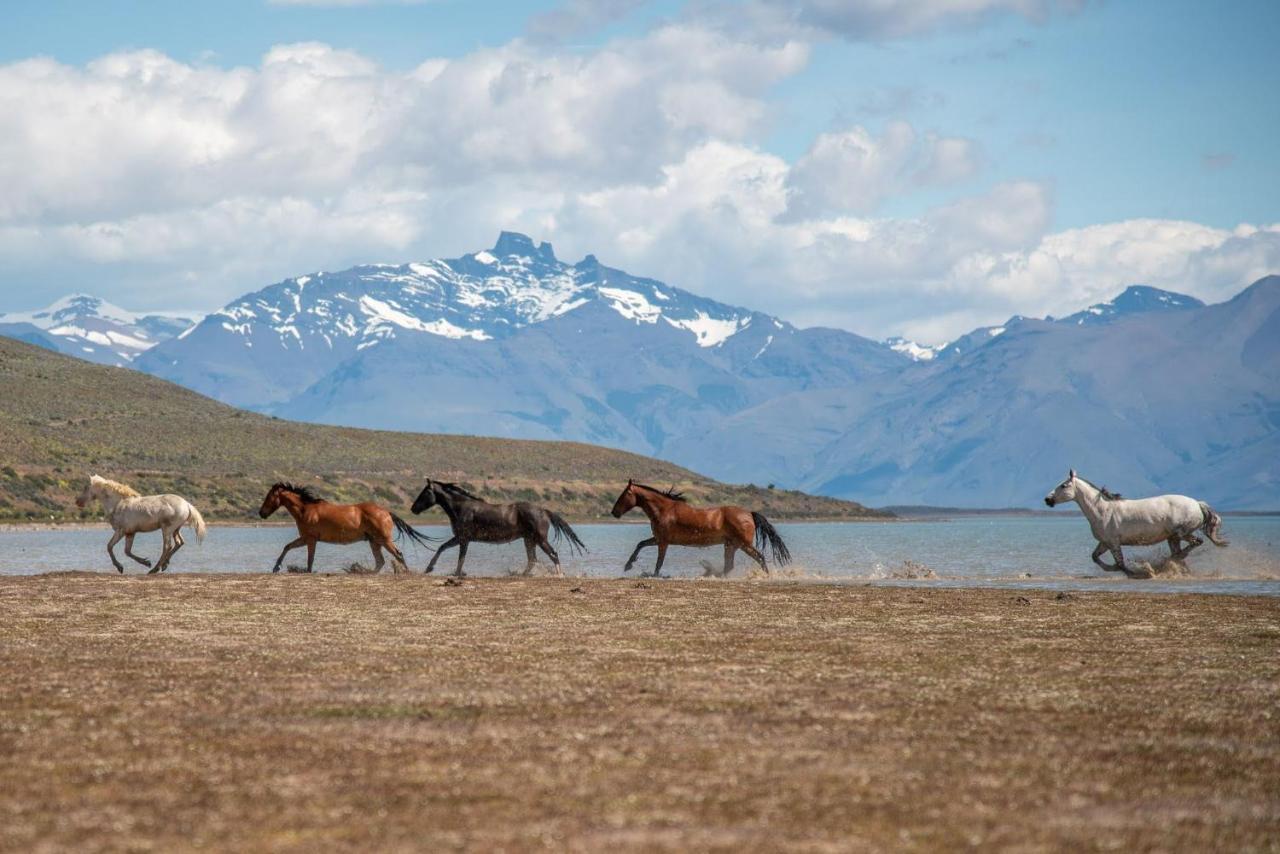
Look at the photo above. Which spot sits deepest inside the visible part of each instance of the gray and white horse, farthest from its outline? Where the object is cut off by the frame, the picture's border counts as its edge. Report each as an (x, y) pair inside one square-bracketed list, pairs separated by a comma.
[(1117, 521), (130, 513)]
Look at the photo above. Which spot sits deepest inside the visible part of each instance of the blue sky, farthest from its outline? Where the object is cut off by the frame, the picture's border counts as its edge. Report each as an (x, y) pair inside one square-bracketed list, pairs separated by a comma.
[(898, 168)]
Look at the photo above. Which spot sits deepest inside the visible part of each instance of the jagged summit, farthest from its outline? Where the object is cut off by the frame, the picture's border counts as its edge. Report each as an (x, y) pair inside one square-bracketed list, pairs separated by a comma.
[(514, 243)]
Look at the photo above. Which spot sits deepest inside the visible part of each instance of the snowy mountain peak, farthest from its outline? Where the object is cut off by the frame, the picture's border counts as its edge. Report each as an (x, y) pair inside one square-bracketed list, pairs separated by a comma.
[(912, 350), (1135, 299), (514, 243), (92, 328)]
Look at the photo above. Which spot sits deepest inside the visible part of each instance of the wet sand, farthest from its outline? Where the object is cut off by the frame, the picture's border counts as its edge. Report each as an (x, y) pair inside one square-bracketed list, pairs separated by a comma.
[(295, 713)]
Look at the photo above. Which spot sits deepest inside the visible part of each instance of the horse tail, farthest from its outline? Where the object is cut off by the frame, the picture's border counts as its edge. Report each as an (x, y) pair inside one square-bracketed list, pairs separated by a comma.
[(1212, 526), (403, 527), (195, 520), (766, 533), (561, 528)]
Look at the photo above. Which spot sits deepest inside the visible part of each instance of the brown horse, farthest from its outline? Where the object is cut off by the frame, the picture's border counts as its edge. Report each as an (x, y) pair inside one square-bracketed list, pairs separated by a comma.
[(674, 522), (319, 521)]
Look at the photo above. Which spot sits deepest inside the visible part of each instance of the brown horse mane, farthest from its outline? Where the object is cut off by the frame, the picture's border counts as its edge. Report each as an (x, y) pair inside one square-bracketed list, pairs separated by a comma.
[(305, 493), (669, 493)]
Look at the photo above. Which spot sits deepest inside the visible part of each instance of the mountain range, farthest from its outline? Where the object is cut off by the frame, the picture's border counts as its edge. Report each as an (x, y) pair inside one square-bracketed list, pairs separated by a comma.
[(93, 329), (1152, 391)]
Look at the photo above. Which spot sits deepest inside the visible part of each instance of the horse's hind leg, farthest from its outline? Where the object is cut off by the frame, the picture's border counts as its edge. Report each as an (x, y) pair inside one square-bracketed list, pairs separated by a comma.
[(398, 564), (530, 556), (729, 551), (551, 553), (1175, 547), (128, 550), (165, 551), (178, 542), (378, 559), (115, 538), (754, 554)]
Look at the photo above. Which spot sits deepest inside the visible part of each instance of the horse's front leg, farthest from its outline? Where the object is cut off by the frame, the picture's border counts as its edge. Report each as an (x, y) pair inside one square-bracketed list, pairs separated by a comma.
[(298, 542), (447, 544), (115, 538), (128, 550), (311, 554), (662, 555), (643, 544), (462, 556), (1097, 558)]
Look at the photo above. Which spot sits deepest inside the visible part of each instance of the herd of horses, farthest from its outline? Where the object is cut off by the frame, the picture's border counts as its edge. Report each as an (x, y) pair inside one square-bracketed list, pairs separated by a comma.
[(472, 519), (1114, 521)]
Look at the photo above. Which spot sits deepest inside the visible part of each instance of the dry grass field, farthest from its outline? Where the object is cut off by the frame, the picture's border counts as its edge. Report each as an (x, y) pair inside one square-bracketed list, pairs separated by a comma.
[(64, 418), (340, 712)]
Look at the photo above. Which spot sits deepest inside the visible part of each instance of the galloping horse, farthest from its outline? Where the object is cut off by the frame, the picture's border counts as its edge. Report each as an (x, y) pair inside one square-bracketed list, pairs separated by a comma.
[(319, 521), (474, 519), (674, 522), (130, 513), (1118, 522)]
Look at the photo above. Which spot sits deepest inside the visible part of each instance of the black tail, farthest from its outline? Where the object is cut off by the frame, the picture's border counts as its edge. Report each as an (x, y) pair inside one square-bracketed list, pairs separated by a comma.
[(403, 527), (766, 533), (561, 528)]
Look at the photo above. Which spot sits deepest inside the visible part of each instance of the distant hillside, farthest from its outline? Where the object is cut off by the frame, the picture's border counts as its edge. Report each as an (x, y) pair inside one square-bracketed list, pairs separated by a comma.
[(63, 418)]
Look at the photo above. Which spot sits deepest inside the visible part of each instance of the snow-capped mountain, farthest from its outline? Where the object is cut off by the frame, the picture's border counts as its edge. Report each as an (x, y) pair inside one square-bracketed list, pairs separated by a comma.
[(1152, 391), (1136, 299), (269, 347), (93, 329)]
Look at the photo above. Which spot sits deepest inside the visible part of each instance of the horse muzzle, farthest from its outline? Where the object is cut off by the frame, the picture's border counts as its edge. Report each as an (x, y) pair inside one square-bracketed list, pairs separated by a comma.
[(1049, 501)]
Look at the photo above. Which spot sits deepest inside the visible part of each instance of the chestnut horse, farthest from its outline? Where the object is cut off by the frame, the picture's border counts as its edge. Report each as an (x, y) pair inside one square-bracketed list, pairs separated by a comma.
[(674, 522), (319, 521)]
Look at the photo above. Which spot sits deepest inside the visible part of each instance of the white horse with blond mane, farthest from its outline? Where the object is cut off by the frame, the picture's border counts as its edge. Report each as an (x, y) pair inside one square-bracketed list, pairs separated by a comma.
[(1117, 521), (131, 513)]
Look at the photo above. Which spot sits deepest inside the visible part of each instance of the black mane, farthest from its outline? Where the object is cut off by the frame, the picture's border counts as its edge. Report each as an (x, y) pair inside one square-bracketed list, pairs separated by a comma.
[(669, 493), (454, 489), (305, 493)]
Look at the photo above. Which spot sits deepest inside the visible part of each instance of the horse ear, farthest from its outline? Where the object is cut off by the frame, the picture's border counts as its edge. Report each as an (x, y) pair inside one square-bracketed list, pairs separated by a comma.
[(1071, 475)]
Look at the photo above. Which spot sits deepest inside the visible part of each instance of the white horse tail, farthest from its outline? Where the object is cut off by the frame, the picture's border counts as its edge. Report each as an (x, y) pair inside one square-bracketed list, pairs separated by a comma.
[(195, 520), (1212, 526)]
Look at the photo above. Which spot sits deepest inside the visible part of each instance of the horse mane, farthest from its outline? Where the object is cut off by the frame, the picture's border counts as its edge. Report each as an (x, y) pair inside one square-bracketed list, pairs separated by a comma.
[(305, 493), (669, 493), (118, 488), (1107, 495), (454, 489)]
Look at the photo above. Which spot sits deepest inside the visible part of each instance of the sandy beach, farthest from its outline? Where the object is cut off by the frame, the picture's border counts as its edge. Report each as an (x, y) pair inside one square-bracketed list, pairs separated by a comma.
[(290, 713)]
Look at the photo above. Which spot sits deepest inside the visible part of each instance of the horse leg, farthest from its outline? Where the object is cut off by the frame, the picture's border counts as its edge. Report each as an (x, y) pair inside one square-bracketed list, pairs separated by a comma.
[(1097, 558), (462, 556), (398, 564), (755, 555), (729, 551), (178, 542), (311, 554), (115, 538), (1175, 547), (164, 552), (1120, 564), (1194, 540), (450, 543), (530, 556), (652, 541), (378, 559), (298, 542), (662, 555), (128, 550), (551, 553)]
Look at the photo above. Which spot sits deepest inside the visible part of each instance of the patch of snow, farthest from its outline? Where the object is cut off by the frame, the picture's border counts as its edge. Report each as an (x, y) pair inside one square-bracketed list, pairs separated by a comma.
[(998, 330), (631, 305), (760, 352), (915, 352), (383, 314), (485, 258), (660, 295), (129, 341), (302, 281), (710, 331)]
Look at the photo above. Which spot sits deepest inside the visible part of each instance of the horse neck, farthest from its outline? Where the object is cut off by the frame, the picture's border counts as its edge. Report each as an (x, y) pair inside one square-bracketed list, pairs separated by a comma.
[(448, 504), (110, 499), (293, 505), (651, 503), (1089, 498)]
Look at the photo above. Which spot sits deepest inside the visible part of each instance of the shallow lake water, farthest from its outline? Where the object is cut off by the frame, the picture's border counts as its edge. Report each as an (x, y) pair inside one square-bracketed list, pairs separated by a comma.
[(1004, 551)]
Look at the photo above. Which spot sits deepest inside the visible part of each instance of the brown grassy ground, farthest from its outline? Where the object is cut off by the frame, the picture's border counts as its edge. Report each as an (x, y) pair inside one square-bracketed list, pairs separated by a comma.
[(261, 712)]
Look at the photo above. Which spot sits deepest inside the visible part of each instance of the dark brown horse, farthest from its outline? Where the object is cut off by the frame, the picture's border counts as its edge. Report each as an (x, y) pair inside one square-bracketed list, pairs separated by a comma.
[(475, 520), (319, 521), (675, 523)]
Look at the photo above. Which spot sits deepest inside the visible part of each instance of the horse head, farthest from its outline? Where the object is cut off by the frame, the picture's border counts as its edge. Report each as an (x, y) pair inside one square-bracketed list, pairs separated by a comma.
[(271, 503), (426, 499), (89, 492), (1066, 491), (626, 501)]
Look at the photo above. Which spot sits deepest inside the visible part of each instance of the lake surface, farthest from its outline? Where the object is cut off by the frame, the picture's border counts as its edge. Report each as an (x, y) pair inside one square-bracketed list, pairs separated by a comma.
[(1038, 552)]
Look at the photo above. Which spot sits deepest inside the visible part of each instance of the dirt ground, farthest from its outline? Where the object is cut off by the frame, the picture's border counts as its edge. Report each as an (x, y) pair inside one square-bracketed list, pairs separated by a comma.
[(337, 712)]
